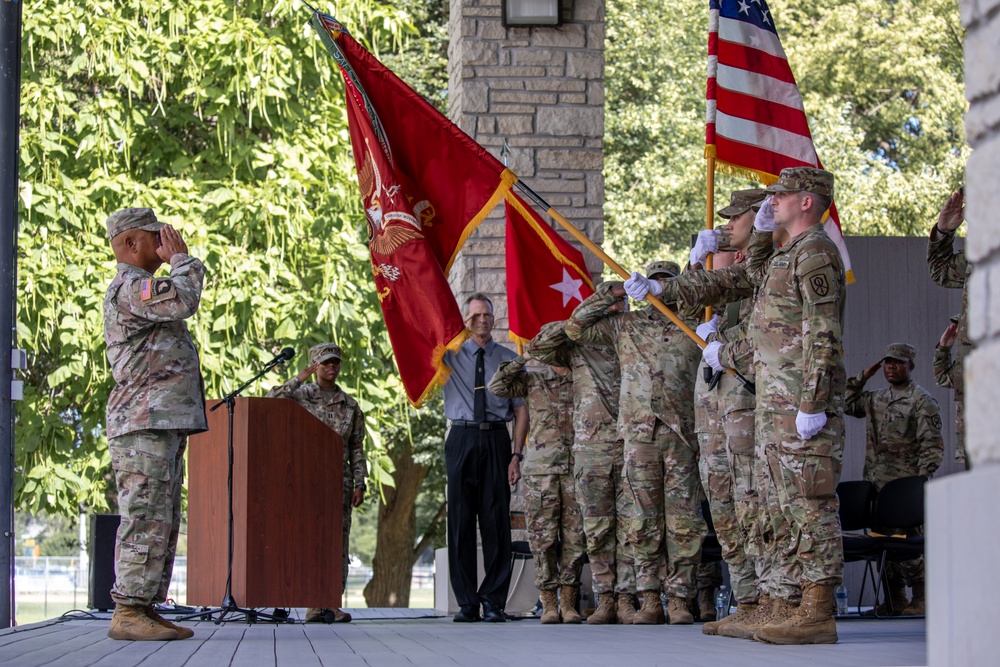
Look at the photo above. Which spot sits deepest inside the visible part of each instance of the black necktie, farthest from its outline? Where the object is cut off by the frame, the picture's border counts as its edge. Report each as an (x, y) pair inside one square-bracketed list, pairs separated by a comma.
[(479, 405)]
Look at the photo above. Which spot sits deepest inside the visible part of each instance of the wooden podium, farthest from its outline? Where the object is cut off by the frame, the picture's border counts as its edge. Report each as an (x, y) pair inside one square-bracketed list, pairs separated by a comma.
[(288, 479)]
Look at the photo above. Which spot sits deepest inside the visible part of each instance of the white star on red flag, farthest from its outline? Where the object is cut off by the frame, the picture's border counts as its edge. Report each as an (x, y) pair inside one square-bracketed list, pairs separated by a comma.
[(569, 287)]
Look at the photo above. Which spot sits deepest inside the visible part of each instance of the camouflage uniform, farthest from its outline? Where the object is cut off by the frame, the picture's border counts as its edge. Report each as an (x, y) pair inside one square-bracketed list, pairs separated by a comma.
[(951, 269), (903, 439), (656, 417), (342, 414), (553, 514), (801, 477), (597, 462), (157, 401)]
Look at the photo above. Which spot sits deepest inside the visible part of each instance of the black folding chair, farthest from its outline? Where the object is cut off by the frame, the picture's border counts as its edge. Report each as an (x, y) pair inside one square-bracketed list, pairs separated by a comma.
[(857, 500), (899, 512)]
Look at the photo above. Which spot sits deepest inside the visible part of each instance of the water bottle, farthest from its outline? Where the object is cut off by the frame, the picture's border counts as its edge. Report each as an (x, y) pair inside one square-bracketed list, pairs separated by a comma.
[(722, 603), (840, 594)]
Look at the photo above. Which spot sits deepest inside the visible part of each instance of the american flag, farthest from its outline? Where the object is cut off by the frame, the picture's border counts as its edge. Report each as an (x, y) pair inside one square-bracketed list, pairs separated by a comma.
[(755, 123)]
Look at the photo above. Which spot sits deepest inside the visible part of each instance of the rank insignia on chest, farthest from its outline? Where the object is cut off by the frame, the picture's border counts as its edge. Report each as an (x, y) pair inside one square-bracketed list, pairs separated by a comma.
[(154, 289)]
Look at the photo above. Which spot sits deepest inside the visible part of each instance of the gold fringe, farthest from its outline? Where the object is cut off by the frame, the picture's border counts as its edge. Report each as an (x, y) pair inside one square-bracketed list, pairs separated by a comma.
[(743, 172), (850, 276), (507, 180), (521, 342), (530, 219), (442, 372)]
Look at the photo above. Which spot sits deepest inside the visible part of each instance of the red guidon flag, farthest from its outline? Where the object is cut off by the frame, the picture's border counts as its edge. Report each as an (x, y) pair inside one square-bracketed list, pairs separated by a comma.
[(756, 124), (546, 276), (425, 186)]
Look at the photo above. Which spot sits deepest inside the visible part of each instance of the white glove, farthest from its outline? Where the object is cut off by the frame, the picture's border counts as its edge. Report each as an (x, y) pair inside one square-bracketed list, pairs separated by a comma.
[(639, 285), (711, 355), (706, 329), (708, 242), (764, 221), (809, 425)]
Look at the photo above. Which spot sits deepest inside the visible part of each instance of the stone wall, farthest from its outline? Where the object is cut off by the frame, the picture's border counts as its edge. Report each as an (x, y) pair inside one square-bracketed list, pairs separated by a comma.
[(542, 89), (982, 124), (963, 528)]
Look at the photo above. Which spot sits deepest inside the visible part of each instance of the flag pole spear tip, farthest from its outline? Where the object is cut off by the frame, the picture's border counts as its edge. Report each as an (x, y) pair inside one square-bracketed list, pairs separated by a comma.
[(314, 10), (505, 152)]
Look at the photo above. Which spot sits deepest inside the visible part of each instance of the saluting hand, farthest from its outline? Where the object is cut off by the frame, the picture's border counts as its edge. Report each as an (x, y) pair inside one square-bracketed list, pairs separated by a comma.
[(307, 372), (171, 243), (950, 335), (873, 369), (953, 213)]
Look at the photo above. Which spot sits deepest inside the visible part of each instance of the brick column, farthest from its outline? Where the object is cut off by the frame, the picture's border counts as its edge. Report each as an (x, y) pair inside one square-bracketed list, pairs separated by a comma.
[(962, 529), (543, 90)]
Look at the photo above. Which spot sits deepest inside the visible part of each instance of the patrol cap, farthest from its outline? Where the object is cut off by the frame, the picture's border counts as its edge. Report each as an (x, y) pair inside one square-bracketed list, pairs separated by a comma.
[(900, 352), (808, 179), (324, 352), (955, 318), (742, 201), (132, 218), (662, 267)]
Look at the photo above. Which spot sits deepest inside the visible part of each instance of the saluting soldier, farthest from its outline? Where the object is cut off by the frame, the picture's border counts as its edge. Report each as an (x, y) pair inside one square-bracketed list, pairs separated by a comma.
[(157, 401), (329, 403), (555, 532)]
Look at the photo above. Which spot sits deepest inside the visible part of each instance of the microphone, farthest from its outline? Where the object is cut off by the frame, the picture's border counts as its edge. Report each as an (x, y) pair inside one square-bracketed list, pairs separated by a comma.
[(281, 357)]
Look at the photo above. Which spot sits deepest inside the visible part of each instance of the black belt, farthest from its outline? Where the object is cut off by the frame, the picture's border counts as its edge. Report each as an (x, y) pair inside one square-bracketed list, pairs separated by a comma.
[(482, 426)]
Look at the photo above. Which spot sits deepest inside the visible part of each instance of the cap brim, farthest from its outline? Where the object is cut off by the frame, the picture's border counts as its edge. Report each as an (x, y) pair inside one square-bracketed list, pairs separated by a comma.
[(662, 273), (778, 187), (327, 357), (150, 226), (732, 211), (889, 356)]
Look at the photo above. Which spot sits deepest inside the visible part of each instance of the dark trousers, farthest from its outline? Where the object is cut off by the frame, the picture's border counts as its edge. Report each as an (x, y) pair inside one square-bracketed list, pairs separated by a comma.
[(477, 463)]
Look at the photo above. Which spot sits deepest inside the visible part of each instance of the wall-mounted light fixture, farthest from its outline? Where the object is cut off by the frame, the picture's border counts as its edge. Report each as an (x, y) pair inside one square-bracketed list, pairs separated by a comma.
[(520, 13)]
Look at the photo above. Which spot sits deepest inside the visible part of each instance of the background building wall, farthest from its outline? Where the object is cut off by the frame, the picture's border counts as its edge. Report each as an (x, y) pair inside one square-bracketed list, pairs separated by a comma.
[(542, 89)]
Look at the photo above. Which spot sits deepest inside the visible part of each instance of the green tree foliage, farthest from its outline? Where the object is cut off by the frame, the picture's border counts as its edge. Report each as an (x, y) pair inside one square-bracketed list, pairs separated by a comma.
[(228, 119), (882, 84)]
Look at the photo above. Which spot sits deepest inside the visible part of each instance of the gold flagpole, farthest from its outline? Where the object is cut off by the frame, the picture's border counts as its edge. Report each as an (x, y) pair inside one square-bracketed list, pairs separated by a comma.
[(592, 247), (710, 216)]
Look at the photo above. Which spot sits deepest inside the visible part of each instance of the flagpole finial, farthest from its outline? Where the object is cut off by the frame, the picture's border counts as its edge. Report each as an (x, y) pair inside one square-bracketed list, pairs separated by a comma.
[(505, 152)]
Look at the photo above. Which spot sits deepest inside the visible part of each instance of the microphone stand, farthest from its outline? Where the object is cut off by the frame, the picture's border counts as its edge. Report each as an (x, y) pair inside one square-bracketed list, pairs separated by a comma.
[(229, 605)]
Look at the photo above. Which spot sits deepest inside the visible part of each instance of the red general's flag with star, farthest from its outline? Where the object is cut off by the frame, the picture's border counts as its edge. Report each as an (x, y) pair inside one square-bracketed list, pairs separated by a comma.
[(756, 124), (425, 186), (546, 276)]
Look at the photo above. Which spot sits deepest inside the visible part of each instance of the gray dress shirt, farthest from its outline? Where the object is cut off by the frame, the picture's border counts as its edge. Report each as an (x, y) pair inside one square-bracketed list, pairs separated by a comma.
[(459, 391)]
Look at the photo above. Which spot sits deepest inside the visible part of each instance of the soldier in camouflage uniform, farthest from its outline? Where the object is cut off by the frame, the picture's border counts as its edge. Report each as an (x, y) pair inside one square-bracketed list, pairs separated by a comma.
[(157, 401), (656, 417), (597, 468), (326, 401), (796, 329), (555, 530), (951, 269), (904, 439)]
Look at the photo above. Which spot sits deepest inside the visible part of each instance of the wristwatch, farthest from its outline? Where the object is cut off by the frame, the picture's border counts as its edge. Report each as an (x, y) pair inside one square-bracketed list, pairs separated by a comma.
[(360, 485), (520, 456)]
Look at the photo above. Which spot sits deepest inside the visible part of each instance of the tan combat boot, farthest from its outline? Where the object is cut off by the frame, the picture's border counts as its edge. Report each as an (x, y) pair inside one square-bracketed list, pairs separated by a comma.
[(182, 632), (813, 622), (626, 608), (315, 615), (768, 609), (131, 623), (918, 603), (340, 616), (677, 611), (651, 611), (706, 605), (567, 605), (550, 607), (744, 610), (895, 593), (605, 612)]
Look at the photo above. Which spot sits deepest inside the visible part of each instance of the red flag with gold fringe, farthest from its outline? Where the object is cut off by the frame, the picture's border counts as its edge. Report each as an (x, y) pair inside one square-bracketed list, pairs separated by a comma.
[(425, 187), (546, 276)]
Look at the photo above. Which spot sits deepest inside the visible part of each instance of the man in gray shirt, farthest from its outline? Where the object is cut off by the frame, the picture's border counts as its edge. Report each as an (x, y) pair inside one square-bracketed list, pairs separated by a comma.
[(481, 467)]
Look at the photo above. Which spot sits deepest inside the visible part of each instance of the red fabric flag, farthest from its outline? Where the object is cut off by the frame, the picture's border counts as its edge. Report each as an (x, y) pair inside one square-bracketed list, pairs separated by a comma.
[(459, 181), (425, 186), (546, 276), (756, 124)]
